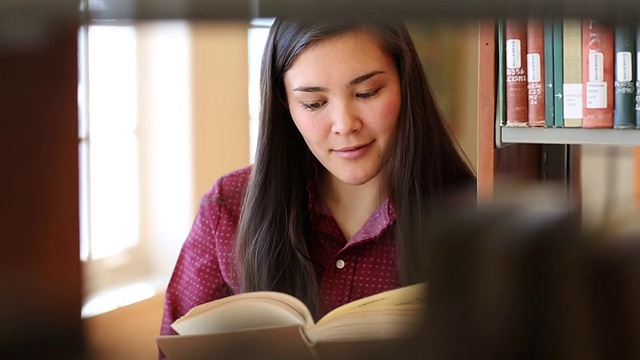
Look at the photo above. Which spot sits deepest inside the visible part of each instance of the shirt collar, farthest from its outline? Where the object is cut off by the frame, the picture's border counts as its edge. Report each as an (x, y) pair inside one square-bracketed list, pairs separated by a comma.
[(379, 221)]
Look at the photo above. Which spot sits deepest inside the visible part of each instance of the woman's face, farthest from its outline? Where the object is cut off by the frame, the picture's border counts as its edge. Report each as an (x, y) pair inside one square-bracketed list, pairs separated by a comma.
[(344, 97)]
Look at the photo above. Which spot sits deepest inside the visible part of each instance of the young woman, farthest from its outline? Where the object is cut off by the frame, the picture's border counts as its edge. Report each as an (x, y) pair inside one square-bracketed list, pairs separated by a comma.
[(352, 155)]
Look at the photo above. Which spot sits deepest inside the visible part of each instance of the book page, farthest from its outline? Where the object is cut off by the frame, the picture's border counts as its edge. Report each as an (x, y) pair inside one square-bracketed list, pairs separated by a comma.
[(369, 323), (391, 314), (246, 311), (412, 294)]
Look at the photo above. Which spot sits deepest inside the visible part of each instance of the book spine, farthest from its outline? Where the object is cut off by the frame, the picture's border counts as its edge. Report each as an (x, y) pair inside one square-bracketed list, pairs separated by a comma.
[(624, 116), (548, 73), (535, 72), (572, 72), (558, 74), (516, 71), (501, 105), (638, 77), (597, 74)]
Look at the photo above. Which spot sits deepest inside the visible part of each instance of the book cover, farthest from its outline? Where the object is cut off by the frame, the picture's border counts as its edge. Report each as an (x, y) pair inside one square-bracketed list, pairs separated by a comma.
[(558, 73), (535, 72), (266, 317), (597, 74), (572, 72), (516, 72), (548, 73), (624, 110)]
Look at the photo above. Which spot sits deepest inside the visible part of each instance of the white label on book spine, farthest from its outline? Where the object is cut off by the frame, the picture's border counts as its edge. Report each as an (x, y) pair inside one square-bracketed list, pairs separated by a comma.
[(513, 54), (596, 66), (596, 95), (624, 66), (572, 101), (534, 73), (638, 66)]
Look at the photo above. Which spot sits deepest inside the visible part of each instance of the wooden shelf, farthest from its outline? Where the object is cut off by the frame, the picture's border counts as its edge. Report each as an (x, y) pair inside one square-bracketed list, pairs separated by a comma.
[(15, 10), (528, 135)]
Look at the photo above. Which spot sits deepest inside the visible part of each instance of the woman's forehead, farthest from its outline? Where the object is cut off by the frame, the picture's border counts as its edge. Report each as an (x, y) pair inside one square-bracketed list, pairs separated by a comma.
[(344, 57)]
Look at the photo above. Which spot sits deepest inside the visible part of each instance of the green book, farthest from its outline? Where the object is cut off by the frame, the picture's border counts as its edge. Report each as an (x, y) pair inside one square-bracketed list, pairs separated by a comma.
[(548, 73), (624, 116), (501, 104), (558, 79)]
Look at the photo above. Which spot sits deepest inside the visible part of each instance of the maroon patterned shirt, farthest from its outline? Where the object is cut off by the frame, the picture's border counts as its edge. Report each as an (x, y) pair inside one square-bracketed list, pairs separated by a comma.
[(348, 270)]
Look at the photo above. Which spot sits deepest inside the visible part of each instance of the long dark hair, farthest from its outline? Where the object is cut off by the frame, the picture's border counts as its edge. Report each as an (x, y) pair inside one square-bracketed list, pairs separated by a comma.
[(423, 164)]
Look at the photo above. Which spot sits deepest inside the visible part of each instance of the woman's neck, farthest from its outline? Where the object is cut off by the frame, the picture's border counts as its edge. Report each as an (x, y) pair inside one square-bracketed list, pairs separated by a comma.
[(351, 205)]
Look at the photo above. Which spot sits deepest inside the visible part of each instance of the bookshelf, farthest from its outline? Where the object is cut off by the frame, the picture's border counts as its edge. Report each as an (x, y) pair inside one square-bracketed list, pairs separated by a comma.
[(497, 144), (519, 161), (576, 136)]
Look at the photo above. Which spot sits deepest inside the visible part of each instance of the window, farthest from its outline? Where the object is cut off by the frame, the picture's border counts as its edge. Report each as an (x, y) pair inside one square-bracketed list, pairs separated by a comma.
[(109, 162), (109, 144), (151, 95), (135, 160), (258, 33)]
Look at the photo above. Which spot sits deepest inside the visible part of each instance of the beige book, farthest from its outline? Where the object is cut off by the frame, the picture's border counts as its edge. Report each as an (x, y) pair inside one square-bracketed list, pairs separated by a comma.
[(271, 320), (572, 72)]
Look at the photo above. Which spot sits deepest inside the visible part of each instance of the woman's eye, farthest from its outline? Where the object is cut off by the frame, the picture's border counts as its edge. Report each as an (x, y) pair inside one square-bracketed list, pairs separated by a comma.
[(368, 94), (313, 105)]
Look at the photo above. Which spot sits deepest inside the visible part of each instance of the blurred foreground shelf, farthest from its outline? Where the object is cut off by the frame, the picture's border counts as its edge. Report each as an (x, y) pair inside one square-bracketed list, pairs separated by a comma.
[(527, 135), (618, 10)]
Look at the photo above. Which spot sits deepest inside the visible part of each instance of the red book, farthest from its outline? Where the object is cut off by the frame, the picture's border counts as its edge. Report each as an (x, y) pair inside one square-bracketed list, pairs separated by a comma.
[(516, 72), (535, 72), (597, 74)]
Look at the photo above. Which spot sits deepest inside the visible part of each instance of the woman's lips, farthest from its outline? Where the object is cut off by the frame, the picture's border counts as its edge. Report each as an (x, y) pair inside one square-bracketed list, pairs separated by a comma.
[(352, 152)]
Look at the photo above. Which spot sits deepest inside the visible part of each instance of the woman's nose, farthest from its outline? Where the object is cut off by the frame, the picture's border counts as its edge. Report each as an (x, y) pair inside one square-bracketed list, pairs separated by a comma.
[(345, 121)]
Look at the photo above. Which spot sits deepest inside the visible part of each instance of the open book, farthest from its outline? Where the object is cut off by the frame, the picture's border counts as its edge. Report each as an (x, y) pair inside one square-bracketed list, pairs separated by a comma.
[(281, 320)]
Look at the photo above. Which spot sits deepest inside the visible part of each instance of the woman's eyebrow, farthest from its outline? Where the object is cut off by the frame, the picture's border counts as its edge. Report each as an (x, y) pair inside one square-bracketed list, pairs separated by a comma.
[(356, 81), (365, 77), (310, 89)]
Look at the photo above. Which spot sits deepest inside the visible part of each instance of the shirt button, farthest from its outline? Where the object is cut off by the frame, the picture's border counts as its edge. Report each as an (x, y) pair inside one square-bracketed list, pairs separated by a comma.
[(340, 264)]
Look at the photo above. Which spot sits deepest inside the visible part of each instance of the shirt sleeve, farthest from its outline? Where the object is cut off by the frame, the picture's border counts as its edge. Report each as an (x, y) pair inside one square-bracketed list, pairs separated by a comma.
[(198, 275)]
